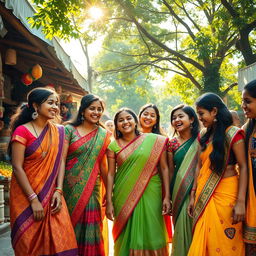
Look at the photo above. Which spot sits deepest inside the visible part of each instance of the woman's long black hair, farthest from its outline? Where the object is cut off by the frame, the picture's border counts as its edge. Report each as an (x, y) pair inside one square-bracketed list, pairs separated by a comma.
[(251, 123), (191, 114), (156, 128), (24, 113), (209, 101), (118, 134), (86, 101)]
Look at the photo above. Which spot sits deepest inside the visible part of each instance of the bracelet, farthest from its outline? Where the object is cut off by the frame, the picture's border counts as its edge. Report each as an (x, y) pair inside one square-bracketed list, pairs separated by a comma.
[(193, 189), (59, 190), (32, 196)]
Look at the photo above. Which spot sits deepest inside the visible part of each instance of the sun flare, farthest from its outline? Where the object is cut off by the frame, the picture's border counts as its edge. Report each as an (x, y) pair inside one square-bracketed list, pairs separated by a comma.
[(95, 12)]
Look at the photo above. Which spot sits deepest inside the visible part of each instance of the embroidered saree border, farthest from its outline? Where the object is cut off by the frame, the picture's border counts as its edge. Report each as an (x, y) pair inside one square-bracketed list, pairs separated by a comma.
[(25, 219), (125, 152), (139, 187), (88, 188), (185, 184), (214, 178)]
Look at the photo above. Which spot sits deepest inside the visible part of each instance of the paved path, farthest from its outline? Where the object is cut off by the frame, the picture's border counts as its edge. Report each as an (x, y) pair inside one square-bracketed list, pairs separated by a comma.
[(5, 240)]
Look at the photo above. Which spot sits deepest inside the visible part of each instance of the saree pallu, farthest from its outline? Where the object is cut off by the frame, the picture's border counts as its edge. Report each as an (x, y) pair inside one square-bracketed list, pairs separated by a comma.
[(82, 187), (215, 199), (54, 235), (250, 217), (139, 227), (185, 161)]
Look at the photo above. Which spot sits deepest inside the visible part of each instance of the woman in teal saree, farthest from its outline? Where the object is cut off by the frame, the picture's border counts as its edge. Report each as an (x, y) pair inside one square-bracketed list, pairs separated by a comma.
[(182, 159), (85, 146), (134, 190)]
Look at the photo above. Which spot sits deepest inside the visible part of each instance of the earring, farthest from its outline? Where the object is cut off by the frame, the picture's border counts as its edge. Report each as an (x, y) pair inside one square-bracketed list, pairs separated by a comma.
[(215, 119), (34, 115), (154, 127), (191, 125), (82, 118), (119, 134)]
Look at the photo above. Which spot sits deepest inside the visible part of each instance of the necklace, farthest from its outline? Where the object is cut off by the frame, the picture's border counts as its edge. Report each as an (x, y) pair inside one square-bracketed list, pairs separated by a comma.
[(44, 153)]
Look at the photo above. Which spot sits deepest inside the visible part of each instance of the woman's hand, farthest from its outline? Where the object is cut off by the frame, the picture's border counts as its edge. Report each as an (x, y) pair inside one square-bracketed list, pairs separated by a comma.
[(37, 208), (110, 211), (238, 212), (56, 202), (190, 208), (166, 206)]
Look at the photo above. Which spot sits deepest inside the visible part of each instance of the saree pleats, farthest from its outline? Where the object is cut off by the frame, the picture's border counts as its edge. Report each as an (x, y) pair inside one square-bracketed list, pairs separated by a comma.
[(185, 160), (54, 235), (214, 233), (139, 236), (137, 198), (82, 188)]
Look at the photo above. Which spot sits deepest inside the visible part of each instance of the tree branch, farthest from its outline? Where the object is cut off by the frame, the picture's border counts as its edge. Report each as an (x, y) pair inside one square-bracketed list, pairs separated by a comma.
[(229, 88), (181, 21)]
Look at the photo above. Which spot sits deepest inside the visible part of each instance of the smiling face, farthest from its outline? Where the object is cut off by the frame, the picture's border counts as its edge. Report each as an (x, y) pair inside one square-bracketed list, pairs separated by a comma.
[(93, 113), (50, 108), (148, 118), (126, 123), (181, 121), (248, 105), (206, 117)]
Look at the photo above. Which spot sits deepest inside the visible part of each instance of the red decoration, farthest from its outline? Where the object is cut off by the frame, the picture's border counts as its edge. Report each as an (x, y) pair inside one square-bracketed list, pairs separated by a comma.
[(36, 72), (69, 99), (27, 79)]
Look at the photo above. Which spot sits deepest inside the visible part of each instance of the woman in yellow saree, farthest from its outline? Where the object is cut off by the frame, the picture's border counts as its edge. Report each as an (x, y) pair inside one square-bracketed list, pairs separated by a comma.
[(182, 158), (217, 201), (136, 204), (40, 223), (249, 107)]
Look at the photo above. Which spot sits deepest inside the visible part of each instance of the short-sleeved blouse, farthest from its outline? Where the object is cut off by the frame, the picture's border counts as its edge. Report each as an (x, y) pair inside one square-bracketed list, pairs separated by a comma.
[(22, 135)]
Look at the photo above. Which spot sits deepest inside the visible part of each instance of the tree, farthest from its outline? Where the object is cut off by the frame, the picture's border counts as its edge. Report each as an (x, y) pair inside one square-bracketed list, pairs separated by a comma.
[(243, 16), (199, 37)]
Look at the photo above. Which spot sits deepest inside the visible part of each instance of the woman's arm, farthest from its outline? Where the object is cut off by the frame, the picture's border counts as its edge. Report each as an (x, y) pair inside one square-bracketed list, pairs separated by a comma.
[(57, 195), (239, 209), (18, 152), (110, 185), (166, 183), (170, 164)]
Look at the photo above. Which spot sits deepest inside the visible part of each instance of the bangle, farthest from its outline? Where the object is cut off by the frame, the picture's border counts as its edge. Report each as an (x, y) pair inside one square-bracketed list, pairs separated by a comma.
[(32, 196), (193, 189), (59, 190)]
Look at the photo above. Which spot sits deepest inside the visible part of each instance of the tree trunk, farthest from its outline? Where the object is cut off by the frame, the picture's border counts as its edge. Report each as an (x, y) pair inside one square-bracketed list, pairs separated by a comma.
[(212, 79)]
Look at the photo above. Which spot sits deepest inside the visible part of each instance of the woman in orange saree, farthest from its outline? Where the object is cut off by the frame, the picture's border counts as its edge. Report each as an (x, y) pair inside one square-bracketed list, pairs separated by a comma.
[(40, 223), (84, 151), (217, 200), (249, 107), (136, 205)]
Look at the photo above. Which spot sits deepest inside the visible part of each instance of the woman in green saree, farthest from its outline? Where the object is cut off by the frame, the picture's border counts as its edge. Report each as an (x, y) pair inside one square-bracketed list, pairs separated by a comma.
[(84, 150), (182, 159), (134, 190)]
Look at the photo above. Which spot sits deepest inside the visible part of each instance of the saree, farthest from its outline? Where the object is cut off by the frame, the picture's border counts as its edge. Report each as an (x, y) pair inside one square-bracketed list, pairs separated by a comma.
[(250, 217), (185, 161), (54, 235), (82, 187), (137, 198), (215, 199)]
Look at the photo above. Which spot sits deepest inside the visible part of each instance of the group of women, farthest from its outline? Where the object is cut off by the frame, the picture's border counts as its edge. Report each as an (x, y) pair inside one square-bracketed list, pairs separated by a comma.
[(199, 176)]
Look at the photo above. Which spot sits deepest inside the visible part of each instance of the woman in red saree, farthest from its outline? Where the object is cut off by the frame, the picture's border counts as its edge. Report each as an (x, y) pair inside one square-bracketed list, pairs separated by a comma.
[(85, 166), (136, 204), (40, 223), (249, 107), (217, 199)]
